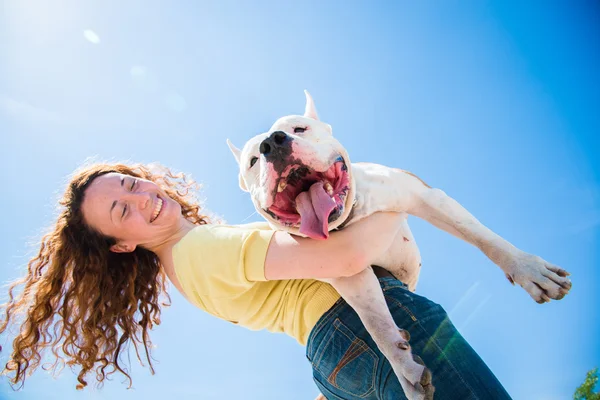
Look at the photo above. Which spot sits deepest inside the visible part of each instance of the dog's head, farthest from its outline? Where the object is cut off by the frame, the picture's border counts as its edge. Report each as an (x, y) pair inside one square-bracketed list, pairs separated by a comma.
[(298, 175)]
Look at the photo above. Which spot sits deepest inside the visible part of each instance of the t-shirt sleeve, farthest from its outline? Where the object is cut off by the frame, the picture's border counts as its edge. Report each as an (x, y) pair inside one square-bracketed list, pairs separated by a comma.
[(216, 260), (254, 253)]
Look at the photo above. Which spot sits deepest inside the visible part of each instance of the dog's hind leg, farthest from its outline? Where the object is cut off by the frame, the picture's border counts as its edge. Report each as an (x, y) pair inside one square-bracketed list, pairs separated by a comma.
[(363, 293)]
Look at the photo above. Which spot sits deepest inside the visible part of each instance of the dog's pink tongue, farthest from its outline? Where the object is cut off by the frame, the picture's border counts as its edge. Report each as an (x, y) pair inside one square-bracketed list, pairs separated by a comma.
[(314, 207)]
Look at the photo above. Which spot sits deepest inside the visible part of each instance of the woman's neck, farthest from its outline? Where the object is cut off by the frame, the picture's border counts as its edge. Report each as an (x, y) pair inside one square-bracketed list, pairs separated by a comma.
[(165, 248), (165, 251)]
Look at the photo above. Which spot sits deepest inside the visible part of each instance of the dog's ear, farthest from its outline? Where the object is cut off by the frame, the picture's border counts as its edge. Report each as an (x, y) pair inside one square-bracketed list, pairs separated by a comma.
[(236, 152), (310, 111), (243, 184)]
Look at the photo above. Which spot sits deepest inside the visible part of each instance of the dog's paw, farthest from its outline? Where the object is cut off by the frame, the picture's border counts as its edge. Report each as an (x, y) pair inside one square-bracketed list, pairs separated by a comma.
[(541, 279), (414, 376)]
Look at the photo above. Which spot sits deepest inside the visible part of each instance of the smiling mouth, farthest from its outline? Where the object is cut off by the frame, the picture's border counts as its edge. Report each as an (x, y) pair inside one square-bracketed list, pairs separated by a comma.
[(157, 209), (309, 199)]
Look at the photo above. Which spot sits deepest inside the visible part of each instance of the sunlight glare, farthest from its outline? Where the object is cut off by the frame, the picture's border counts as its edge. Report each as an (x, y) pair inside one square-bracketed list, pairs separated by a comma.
[(91, 36)]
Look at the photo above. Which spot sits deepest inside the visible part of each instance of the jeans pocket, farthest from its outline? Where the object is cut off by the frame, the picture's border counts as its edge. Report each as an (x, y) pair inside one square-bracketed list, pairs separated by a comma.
[(345, 361)]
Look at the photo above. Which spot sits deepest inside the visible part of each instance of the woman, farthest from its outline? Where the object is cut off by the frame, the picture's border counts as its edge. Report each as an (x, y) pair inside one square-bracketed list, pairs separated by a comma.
[(123, 230)]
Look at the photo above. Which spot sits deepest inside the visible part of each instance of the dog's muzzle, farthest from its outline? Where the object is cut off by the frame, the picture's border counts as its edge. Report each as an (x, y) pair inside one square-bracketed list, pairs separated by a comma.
[(309, 199)]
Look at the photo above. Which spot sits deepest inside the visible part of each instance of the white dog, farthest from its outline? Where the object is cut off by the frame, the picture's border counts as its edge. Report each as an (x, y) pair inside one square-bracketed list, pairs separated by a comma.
[(301, 180)]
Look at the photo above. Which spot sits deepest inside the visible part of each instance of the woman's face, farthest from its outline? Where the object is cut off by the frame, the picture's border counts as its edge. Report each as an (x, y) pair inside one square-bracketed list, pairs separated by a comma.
[(135, 211)]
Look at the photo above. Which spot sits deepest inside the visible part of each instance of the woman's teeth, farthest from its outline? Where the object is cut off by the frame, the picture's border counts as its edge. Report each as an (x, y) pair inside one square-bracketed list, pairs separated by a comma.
[(157, 209)]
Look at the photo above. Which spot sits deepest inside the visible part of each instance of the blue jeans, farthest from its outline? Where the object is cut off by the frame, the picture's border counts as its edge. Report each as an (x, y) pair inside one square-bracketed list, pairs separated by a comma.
[(348, 365)]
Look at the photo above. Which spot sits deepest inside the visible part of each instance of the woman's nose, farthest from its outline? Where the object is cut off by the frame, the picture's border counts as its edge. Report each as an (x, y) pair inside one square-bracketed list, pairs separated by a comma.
[(141, 200)]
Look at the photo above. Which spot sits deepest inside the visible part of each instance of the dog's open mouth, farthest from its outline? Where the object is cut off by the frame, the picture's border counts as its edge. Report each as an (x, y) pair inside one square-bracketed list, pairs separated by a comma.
[(311, 199)]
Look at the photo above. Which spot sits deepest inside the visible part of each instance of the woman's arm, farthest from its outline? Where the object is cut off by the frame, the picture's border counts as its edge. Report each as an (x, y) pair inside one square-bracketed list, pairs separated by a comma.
[(345, 253)]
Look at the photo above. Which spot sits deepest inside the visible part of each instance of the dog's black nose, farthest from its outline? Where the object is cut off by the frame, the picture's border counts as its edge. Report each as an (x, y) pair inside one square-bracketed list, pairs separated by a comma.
[(274, 145)]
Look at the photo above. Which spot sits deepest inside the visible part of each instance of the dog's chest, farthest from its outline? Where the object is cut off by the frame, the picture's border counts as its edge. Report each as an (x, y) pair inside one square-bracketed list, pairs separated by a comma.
[(372, 194), (403, 258)]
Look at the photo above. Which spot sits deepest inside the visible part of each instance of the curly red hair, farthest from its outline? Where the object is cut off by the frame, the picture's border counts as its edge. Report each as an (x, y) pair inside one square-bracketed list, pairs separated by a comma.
[(83, 301)]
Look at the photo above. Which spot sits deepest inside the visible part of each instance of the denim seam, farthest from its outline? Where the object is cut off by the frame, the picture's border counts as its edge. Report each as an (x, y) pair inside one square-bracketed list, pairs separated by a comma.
[(369, 351), (355, 350), (365, 349), (385, 286), (373, 387), (319, 326), (317, 360), (330, 393), (406, 309)]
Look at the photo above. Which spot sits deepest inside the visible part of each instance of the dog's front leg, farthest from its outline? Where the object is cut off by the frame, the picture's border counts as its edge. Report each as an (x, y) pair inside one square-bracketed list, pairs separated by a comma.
[(541, 279), (363, 293), (389, 189)]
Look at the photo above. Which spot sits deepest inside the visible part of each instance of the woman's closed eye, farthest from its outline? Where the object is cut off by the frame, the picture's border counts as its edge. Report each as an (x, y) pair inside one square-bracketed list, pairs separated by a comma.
[(125, 207)]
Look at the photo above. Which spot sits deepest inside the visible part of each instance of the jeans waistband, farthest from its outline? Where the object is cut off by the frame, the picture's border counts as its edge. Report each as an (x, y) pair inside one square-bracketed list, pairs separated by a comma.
[(388, 282)]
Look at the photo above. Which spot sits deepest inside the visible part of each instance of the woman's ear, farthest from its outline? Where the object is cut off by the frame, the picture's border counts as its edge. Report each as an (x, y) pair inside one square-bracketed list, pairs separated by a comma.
[(122, 248)]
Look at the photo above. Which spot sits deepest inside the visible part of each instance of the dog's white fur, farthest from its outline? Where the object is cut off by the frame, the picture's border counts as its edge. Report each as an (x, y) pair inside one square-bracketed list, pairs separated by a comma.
[(375, 188)]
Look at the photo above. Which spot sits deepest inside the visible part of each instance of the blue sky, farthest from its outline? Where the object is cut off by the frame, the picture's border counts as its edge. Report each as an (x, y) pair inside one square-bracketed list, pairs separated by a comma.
[(497, 103)]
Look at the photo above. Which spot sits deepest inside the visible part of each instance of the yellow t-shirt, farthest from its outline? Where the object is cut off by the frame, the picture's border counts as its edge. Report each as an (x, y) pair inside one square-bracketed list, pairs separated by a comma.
[(221, 269)]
